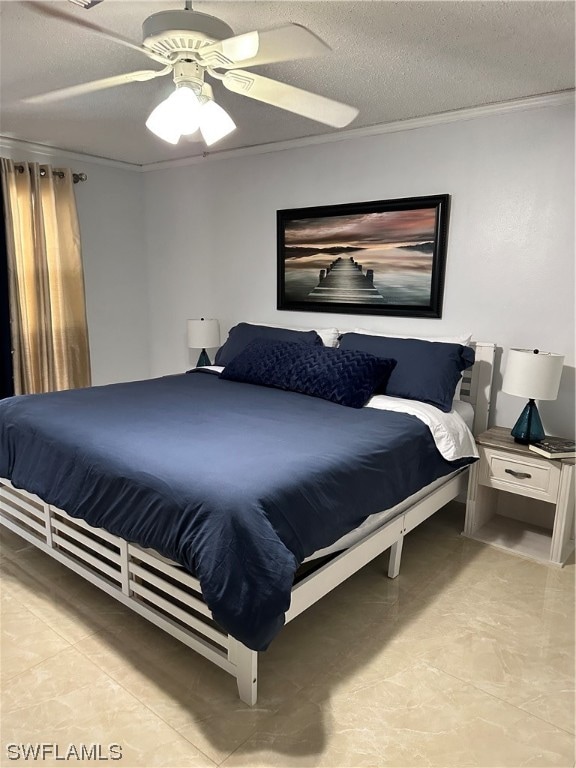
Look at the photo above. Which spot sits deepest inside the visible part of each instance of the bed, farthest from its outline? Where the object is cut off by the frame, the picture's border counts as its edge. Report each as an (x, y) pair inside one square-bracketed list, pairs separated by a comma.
[(285, 498)]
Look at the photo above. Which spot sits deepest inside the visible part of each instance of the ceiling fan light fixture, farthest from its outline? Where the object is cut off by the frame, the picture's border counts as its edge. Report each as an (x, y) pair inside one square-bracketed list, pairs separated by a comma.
[(184, 111), (176, 116)]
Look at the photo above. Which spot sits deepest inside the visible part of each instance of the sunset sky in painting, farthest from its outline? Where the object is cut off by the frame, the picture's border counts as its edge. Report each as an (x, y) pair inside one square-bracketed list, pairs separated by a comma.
[(366, 230)]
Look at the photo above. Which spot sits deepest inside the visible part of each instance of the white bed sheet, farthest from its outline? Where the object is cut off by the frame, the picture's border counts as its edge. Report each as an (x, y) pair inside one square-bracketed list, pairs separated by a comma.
[(452, 436)]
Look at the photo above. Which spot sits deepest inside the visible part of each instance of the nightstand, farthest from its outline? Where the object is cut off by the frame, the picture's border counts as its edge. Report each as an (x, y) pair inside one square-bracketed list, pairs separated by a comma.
[(506, 467)]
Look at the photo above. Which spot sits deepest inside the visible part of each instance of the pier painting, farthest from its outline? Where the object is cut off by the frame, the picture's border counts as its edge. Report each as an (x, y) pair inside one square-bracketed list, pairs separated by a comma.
[(383, 257)]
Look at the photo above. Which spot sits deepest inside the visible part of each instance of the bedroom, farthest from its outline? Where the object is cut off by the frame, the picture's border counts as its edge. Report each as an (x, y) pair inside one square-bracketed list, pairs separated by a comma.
[(509, 279)]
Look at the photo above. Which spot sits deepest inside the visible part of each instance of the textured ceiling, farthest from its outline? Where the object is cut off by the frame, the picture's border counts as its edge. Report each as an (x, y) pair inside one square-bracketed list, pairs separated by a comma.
[(392, 60)]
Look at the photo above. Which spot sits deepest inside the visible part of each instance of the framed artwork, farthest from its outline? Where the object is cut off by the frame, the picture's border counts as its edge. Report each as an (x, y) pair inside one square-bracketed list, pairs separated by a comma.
[(379, 258)]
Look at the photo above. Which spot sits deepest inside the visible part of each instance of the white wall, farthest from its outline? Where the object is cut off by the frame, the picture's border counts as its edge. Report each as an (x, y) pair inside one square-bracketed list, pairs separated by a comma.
[(211, 235), (182, 228), (111, 213)]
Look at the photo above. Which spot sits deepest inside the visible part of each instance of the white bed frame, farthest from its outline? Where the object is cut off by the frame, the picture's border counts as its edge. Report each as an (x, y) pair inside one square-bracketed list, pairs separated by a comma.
[(171, 598)]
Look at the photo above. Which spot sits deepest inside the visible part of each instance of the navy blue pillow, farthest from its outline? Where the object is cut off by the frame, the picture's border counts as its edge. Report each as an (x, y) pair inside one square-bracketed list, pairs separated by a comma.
[(428, 371), (242, 334), (346, 377)]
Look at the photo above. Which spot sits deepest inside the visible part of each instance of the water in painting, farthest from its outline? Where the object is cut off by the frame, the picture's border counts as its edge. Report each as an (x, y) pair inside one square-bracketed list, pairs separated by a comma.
[(393, 251)]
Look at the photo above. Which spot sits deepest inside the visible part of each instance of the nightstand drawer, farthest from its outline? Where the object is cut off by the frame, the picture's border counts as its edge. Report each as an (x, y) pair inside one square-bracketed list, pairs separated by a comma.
[(529, 477)]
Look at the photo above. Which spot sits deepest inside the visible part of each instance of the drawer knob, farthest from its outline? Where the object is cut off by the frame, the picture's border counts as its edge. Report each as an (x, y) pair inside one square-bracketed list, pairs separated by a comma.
[(519, 475)]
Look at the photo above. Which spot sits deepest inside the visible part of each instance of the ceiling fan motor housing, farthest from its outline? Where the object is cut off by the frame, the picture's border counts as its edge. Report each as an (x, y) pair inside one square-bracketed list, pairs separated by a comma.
[(178, 32)]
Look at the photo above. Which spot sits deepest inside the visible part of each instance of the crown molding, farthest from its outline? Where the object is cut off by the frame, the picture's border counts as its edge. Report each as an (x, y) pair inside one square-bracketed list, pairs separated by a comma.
[(488, 110), (548, 100), (17, 145)]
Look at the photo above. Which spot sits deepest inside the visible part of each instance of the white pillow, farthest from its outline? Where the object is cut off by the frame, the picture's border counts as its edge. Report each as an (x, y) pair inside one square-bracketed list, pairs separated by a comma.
[(329, 336), (463, 339)]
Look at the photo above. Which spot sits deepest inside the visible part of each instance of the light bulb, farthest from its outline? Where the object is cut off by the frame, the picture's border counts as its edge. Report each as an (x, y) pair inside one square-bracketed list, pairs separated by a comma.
[(215, 122)]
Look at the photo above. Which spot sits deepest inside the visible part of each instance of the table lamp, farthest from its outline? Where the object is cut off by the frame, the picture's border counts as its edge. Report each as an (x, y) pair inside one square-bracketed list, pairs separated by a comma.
[(535, 375), (203, 334)]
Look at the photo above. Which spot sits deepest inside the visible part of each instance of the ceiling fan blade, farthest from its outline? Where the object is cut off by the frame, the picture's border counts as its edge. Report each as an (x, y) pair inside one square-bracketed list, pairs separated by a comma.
[(98, 85), (46, 10), (291, 41), (288, 97)]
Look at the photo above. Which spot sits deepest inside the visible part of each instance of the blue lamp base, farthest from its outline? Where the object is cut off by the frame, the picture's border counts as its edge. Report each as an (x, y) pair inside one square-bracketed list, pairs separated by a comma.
[(203, 359), (528, 428)]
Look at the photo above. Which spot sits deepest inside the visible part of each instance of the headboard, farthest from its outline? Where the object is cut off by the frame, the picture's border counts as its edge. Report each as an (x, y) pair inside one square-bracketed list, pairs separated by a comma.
[(476, 385)]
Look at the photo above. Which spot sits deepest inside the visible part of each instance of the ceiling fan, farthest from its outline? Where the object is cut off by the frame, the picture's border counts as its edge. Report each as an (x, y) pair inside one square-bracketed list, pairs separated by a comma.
[(191, 45)]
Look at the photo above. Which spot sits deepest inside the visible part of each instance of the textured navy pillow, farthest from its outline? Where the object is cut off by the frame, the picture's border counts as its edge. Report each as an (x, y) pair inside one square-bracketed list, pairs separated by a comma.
[(346, 377), (428, 371), (242, 334)]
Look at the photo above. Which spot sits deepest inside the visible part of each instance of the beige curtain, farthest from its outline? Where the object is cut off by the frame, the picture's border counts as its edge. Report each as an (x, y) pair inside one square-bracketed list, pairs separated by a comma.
[(46, 282)]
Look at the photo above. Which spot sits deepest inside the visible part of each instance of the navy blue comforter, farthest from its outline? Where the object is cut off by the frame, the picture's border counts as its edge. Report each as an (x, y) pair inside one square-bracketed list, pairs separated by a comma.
[(237, 482)]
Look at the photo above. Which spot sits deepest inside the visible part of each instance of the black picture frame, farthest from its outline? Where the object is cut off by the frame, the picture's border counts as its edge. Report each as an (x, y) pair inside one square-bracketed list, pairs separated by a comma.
[(402, 246)]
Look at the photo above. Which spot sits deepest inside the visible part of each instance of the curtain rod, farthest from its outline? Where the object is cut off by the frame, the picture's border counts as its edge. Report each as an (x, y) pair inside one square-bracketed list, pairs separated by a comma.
[(76, 177)]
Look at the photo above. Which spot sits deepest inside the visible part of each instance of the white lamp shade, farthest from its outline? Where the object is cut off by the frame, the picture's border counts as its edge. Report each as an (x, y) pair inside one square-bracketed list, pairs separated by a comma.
[(161, 124), (533, 374), (215, 122), (203, 333)]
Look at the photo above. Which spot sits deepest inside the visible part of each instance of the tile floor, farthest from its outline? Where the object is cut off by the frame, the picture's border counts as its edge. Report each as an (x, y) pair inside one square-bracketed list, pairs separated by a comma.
[(466, 659)]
